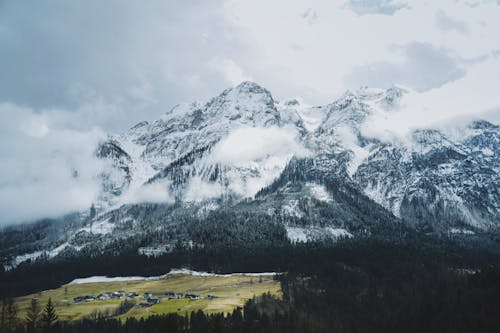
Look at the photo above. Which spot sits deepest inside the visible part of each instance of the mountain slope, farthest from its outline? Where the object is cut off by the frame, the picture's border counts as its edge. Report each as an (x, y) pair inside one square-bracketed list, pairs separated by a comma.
[(279, 170)]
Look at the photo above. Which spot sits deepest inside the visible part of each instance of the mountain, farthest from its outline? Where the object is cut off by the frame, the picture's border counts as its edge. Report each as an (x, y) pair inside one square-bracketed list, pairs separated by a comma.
[(246, 168)]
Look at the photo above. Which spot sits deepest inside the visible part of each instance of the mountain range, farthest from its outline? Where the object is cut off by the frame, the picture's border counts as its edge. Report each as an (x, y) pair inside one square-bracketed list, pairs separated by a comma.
[(247, 168)]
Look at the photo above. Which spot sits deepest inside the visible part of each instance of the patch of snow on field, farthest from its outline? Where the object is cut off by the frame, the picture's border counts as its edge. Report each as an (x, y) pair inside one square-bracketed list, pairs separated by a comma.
[(97, 279), (179, 271), (184, 271)]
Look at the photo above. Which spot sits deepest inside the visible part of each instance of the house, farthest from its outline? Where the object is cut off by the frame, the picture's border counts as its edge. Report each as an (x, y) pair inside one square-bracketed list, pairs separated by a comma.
[(153, 300), (147, 295), (144, 305), (174, 295), (115, 295), (79, 299), (85, 298), (192, 296), (103, 296)]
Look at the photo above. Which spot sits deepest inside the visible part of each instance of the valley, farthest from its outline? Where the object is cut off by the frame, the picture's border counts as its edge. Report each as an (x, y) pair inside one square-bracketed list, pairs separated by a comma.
[(180, 292)]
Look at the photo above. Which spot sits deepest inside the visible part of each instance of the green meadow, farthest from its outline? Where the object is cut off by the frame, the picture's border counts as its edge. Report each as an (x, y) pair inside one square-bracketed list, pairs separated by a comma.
[(230, 291)]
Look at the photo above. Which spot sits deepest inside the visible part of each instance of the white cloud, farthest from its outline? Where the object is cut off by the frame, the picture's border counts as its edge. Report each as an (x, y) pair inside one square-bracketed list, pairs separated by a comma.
[(230, 70), (151, 193), (251, 159), (446, 23), (444, 107), (45, 171), (422, 67), (91, 72), (199, 190), (294, 57), (249, 144), (310, 16)]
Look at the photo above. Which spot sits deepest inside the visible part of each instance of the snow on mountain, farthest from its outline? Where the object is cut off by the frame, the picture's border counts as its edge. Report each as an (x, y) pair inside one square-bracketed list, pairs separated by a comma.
[(434, 180), (190, 126), (307, 234), (232, 145), (319, 192), (101, 227), (293, 160), (240, 141)]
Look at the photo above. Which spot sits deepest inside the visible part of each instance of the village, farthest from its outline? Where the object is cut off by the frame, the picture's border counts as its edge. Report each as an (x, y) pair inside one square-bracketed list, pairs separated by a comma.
[(148, 299)]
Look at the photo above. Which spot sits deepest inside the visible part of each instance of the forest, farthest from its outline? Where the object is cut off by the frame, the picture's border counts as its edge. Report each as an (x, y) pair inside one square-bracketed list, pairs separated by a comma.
[(373, 285)]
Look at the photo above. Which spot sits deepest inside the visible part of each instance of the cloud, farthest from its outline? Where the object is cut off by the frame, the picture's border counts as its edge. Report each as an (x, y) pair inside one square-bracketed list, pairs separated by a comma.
[(422, 67), (104, 66), (230, 70), (144, 58), (293, 58), (442, 108), (446, 23), (199, 190), (251, 159), (153, 56), (249, 144), (310, 16), (151, 193), (45, 171), (383, 7), (48, 166)]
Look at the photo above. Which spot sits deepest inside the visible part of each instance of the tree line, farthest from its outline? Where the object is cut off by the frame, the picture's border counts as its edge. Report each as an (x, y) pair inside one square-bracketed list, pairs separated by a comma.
[(36, 320), (339, 298)]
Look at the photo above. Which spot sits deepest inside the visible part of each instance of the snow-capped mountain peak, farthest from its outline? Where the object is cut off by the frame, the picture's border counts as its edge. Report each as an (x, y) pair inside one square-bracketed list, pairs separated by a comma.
[(240, 141), (295, 163)]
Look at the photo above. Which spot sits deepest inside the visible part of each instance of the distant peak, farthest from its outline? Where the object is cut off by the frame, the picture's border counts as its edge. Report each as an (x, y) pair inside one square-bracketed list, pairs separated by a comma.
[(394, 93), (345, 100), (390, 94), (482, 124), (250, 87)]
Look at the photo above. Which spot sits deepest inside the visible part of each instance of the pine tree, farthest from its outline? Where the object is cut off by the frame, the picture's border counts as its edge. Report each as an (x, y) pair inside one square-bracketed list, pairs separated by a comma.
[(33, 315), (49, 317), (93, 211), (3, 315), (11, 319)]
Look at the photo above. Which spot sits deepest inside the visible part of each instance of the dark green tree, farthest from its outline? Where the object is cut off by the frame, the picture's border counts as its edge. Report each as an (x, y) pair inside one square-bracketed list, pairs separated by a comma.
[(33, 316), (9, 315), (93, 211), (49, 317), (3, 315)]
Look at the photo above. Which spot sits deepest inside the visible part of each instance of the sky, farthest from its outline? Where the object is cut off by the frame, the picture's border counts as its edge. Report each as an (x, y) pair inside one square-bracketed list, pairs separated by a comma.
[(73, 71)]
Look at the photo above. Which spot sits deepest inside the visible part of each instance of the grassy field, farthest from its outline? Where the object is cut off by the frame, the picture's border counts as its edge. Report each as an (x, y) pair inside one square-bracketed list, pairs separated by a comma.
[(231, 291)]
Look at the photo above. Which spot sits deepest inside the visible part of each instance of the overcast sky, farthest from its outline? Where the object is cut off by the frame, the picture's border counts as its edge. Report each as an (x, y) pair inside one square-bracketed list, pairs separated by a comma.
[(71, 71)]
